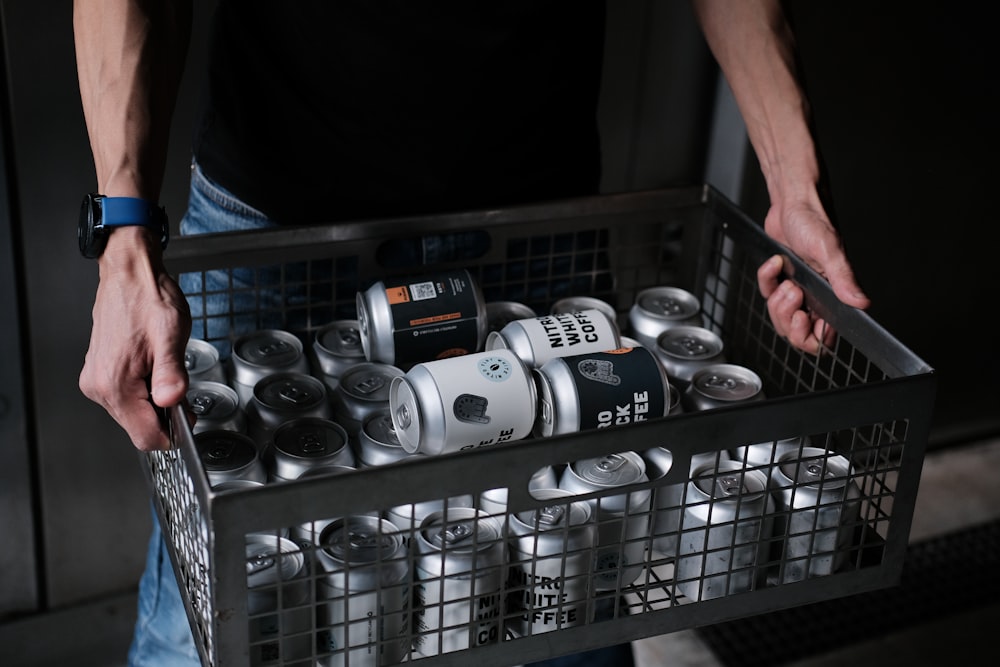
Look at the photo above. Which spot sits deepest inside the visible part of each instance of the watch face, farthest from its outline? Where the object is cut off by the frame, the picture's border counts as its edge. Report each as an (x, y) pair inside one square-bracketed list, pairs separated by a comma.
[(90, 234)]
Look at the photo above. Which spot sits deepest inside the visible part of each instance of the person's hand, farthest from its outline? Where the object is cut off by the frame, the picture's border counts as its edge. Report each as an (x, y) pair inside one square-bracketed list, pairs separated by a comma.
[(807, 231), (141, 324)]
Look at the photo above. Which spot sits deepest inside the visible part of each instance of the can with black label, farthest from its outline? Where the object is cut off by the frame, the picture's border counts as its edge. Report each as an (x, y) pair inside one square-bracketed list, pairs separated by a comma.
[(444, 406), (262, 353), (363, 594), (539, 339), (460, 568), (684, 350), (304, 444), (378, 444), (623, 518), (657, 309), (818, 505), (551, 552), (216, 407), (599, 390), (281, 398), (434, 316), (574, 304), (201, 361), (363, 390), (336, 348), (721, 385), (228, 455), (501, 313), (726, 530)]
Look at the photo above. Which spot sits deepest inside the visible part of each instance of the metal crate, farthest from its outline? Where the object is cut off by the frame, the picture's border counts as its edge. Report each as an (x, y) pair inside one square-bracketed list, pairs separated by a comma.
[(868, 398)]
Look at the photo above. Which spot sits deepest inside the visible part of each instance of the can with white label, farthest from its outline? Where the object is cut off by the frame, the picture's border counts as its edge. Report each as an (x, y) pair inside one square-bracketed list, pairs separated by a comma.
[(657, 309), (684, 350), (550, 555), (259, 354), (201, 361), (599, 390), (623, 518), (573, 304), (434, 316), (363, 390), (279, 604), (304, 444), (817, 512), (336, 348), (228, 455), (721, 385), (281, 398), (501, 313), (460, 568), (216, 406), (539, 339), (726, 530), (448, 405)]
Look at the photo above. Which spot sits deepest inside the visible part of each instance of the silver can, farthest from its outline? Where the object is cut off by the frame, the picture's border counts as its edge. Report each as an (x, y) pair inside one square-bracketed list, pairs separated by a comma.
[(460, 569), (721, 385), (657, 309), (539, 339), (378, 443), (434, 316), (201, 361), (336, 348), (228, 455), (363, 390), (279, 605), (281, 398), (363, 594), (574, 304), (444, 406), (307, 535), (600, 390), (818, 505), (725, 532), (304, 444), (501, 313), (259, 354), (216, 406), (549, 574), (684, 350), (408, 518), (494, 501), (623, 518)]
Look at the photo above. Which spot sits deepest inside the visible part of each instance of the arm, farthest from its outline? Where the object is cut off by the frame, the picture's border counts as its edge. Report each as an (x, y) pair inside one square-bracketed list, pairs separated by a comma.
[(754, 47), (130, 58)]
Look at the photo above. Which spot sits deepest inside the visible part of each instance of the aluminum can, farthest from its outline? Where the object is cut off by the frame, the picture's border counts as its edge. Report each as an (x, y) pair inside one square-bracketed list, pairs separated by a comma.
[(657, 309), (201, 360), (767, 454), (550, 554), (228, 455), (721, 385), (684, 350), (304, 444), (363, 594), (408, 518), (434, 316), (494, 501), (336, 348), (216, 406), (501, 313), (539, 339), (818, 506), (444, 406), (281, 398), (574, 304), (726, 529), (363, 390), (262, 353), (279, 604), (307, 535), (460, 567), (600, 390), (378, 443), (623, 518)]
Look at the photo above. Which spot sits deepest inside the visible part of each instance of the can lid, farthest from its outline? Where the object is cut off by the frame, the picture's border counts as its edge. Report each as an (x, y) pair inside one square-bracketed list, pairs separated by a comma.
[(368, 381), (405, 413), (199, 356), (611, 470), (668, 303), (462, 530), (730, 481), (360, 540), (341, 338), (728, 382), (689, 343), (270, 559), (379, 428), (558, 516), (815, 467), (291, 392), (224, 450), (270, 348), (310, 438), (212, 400)]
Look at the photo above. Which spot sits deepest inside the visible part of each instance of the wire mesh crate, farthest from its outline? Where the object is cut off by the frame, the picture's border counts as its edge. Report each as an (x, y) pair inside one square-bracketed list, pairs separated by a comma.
[(509, 578)]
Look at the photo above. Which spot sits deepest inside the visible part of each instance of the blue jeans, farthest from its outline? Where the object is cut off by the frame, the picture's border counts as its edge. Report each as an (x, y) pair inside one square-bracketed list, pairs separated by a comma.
[(162, 635)]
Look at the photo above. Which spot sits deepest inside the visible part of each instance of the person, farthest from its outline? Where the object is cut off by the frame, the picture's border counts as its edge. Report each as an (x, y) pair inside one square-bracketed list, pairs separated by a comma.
[(319, 111)]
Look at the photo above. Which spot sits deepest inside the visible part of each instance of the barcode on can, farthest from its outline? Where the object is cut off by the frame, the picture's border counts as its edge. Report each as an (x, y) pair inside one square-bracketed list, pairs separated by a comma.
[(422, 291)]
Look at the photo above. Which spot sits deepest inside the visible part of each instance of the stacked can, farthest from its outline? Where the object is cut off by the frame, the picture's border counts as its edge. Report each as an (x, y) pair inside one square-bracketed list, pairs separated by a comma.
[(657, 309), (409, 517), (818, 504), (377, 442), (281, 398), (216, 406), (721, 385), (444, 406), (363, 390), (459, 575), (307, 535), (623, 518), (501, 313), (551, 550), (278, 601), (363, 594), (434, 316), (262, 353), (304, 444), (538, 339), (599, 390), (684, 350), (725, 532), (201, 361), (336, 348), (228, 455)]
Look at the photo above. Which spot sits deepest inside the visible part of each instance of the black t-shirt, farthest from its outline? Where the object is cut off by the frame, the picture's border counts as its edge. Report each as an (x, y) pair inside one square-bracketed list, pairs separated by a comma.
[(345, 109)]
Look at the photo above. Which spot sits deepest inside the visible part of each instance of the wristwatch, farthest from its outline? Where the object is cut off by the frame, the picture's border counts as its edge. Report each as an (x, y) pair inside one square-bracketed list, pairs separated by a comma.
[(100, 215)]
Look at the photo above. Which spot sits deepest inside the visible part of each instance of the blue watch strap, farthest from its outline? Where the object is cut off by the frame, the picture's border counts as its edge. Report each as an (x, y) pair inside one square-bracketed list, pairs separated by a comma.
[(121, 211)]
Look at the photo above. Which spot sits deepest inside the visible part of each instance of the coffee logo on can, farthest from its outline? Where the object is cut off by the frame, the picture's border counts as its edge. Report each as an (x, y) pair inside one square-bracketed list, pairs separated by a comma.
[(496, 369)]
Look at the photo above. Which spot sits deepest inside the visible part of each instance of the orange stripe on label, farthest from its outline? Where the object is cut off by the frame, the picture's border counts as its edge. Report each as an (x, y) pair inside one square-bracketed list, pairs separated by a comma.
[(398, 295), (435, 318)]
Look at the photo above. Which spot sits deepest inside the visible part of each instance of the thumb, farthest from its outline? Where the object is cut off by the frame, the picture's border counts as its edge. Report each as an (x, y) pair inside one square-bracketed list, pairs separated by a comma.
[(169, 380), (845, 286)]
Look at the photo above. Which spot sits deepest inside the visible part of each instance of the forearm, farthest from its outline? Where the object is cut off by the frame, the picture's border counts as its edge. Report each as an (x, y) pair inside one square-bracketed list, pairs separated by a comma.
[(130, 57)]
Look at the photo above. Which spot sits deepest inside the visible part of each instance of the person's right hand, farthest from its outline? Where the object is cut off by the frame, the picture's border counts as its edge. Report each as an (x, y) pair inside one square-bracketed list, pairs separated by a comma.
[(141, 324)]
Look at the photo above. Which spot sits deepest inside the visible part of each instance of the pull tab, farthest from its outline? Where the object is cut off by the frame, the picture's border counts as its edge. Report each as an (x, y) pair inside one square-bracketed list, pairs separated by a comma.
[(190, 361), (692, 346), (552, 515), (361, 539), (259, 563), (272, 348), (455, 533), (311, 443), (219, 450), (350, 337), (294, 395), (668, 305), (202, 404), (717, 382), (611, 462), (403, 416), (730, 485), (369, 385), (546, 411)]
